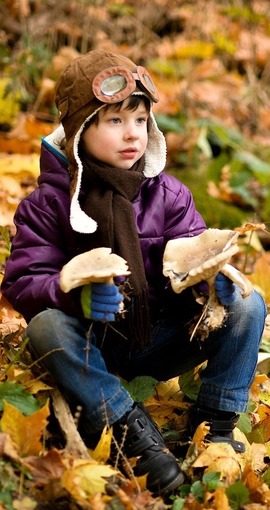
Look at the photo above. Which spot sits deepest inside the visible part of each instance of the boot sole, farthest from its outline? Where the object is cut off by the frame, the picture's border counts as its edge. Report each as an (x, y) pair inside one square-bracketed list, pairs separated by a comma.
[(165, 491)]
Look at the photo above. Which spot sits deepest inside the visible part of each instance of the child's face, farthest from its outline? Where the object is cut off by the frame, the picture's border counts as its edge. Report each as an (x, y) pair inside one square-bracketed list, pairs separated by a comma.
[(119, 139)]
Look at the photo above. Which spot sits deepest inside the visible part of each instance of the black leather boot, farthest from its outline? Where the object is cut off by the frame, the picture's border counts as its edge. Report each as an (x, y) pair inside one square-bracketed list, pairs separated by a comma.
[(143, 439), (221, 424)]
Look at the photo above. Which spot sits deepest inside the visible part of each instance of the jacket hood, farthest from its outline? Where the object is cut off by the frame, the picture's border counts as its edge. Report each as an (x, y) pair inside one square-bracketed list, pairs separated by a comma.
[(77, 104)]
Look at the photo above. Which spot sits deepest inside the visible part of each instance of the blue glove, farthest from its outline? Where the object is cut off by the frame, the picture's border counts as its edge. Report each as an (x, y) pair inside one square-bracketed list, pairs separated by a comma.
[(101, 301), (225, 289)]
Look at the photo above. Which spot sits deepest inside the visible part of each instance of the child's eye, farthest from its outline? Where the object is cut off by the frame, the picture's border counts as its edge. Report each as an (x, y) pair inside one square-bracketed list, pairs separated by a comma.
[(141, 120), (115, 120)]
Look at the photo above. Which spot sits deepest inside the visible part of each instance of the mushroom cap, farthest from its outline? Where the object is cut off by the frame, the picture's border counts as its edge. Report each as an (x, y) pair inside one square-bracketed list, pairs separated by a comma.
[(189, 260), (98, 265)]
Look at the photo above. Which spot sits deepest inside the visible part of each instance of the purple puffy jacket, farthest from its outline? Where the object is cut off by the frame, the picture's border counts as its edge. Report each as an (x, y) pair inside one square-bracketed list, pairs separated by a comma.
[(45, 241)]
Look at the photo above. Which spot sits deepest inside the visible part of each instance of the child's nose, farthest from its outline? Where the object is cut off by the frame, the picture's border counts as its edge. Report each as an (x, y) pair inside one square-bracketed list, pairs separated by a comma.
[(131, 132)]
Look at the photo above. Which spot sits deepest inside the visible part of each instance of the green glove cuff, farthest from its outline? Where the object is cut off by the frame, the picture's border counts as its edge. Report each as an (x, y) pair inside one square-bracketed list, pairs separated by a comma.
[(86, 300)]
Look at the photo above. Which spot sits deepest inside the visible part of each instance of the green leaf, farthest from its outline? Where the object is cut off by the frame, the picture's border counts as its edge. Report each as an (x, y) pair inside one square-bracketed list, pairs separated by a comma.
[(238, 495), (168, 123), (6, 499), (178, 504), (266, 477), (18, 397), (141, 388), (86, 297), (244, 423), (212, 480), (184, 490), (189, 386), (259, 167), (221, 135), (197, 489)]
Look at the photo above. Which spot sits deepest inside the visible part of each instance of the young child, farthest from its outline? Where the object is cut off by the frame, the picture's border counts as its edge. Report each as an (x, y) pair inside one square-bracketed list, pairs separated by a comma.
[(102, 185)]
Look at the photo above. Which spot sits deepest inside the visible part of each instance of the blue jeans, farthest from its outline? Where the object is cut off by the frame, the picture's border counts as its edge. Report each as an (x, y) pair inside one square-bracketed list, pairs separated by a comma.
[(85, 370)]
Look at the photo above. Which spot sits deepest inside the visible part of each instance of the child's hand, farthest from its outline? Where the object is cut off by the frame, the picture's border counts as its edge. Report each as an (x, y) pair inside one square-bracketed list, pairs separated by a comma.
[(225, 289), (101, 301)]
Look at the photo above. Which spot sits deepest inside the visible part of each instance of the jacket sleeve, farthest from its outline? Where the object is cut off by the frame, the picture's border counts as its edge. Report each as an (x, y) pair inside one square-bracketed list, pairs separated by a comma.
[(182, 217), (39, 251)]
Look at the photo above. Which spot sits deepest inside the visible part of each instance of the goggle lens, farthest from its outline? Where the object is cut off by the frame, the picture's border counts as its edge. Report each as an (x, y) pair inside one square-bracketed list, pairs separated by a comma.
[(112, 85), (149, 84)]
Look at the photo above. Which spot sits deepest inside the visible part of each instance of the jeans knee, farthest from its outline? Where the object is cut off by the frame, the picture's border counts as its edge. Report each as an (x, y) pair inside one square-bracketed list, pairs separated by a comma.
[(251, 306), (46, 319), (41, 330)]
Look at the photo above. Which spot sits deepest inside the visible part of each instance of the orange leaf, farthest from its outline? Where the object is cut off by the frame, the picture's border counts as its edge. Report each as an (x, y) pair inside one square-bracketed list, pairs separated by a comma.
[(221, 500), (200, 433), (25, 431), (250, 227)]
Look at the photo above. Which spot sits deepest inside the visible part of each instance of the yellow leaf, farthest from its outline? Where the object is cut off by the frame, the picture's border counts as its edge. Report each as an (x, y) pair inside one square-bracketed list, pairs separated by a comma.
[(36, 385), (24, 503), (169, 389), (9, 106), (194, 49), (25, 431), (103, 449), (261, 275), (228, 467), (220, 457), (86, 478), (20, 164), (166, 399)]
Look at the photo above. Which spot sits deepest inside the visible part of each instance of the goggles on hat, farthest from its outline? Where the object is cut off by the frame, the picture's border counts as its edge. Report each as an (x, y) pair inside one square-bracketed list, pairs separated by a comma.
[(117, 83)]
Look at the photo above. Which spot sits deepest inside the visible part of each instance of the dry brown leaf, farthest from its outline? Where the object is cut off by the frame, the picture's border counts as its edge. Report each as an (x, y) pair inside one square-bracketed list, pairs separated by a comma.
[(7, 447), (258, 454), (250, 227), (258, 490), (10, 320), (45, 467)]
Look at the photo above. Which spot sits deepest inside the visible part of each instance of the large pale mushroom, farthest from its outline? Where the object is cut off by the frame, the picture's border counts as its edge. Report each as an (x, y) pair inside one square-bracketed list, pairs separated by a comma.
[(190, 260), (98, 265)]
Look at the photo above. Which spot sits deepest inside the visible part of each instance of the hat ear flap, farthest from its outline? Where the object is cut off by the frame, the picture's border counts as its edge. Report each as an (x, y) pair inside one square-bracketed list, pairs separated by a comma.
[(62, 108)]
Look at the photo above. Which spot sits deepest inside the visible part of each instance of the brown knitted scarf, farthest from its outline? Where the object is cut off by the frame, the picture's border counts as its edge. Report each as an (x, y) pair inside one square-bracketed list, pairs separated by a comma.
[(108, 201)]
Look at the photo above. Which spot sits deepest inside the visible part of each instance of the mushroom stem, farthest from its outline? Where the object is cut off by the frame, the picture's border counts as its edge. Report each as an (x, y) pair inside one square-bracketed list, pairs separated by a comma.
[(213, 313)]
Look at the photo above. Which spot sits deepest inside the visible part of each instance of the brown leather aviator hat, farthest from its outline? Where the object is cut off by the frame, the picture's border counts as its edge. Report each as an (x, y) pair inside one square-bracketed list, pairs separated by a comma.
[(74, 96), (86, 85)]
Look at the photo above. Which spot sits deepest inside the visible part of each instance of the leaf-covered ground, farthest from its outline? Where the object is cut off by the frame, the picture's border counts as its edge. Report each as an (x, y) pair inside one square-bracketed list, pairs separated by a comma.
[(210, 61)]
